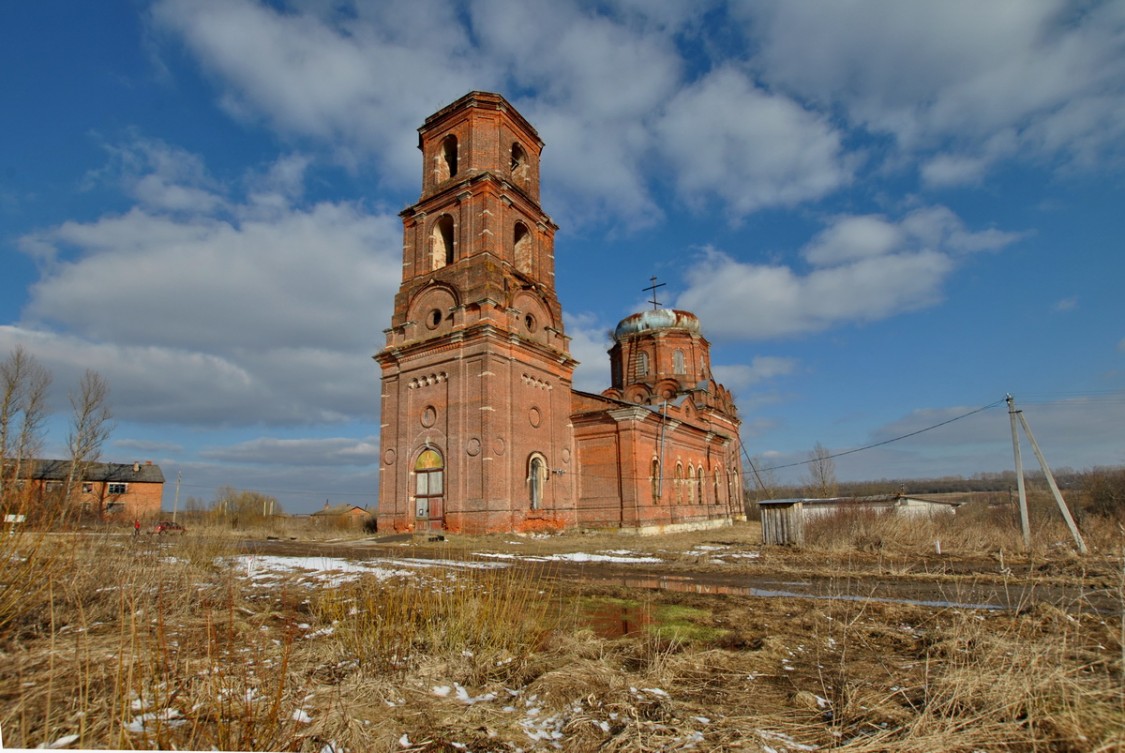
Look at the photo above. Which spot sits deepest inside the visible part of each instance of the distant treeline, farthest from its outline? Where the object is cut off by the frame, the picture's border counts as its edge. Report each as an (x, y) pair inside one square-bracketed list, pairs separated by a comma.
[(1096, 491), (1000, 483)]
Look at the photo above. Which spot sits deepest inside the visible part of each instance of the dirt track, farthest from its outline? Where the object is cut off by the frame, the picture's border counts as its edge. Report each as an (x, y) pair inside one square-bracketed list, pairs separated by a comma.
[(938, 582)]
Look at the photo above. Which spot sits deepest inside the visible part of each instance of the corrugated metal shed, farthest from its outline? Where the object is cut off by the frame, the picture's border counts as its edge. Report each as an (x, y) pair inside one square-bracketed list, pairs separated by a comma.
[(783, 520)]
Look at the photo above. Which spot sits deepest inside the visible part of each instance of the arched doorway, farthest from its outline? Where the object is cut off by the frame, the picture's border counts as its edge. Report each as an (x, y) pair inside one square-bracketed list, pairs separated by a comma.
[(429, 490)]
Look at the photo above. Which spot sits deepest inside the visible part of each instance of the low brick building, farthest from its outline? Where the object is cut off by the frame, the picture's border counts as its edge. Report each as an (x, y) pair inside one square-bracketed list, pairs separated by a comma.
[(342, 516), (123, 491), (482, 429)]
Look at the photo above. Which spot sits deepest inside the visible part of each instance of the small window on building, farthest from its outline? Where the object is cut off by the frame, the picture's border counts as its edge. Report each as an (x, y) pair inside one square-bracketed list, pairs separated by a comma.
[(87, 488), (678, 362), (536, 480), (691, 484), (520, 167), (679, 483), (656, 480), (447, 158), (441, 243), (521, 245), (642, 365), (115, 488)]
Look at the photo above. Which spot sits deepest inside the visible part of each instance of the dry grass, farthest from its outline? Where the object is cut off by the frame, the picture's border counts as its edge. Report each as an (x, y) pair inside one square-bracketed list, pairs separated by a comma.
[(165, 643), (975, 530)]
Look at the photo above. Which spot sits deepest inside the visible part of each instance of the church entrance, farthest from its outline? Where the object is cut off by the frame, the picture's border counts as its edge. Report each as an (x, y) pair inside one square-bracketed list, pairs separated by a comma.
[(429, 491)]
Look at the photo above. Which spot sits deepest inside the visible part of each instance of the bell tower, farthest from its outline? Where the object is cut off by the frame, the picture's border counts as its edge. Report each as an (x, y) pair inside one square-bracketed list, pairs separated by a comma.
[(476, 371)]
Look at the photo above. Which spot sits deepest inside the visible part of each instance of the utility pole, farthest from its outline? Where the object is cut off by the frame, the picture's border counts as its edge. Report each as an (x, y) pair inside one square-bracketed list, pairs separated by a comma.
[(1025, 523), (176, 501), (1013, 412)]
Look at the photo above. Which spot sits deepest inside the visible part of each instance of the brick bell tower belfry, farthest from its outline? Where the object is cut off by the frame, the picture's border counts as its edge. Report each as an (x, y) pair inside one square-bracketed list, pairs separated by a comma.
[(476, 372)]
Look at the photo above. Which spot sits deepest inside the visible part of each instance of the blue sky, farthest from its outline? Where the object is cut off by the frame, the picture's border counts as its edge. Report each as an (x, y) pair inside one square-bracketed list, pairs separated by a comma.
[(885, 214)]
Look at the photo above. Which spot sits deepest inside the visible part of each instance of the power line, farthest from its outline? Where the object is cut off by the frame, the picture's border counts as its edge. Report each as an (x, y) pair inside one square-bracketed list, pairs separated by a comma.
[(885, 441)]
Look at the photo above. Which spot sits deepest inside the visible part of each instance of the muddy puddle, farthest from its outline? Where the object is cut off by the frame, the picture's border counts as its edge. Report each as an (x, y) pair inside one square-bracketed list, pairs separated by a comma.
[(615, 620), (687, 584)]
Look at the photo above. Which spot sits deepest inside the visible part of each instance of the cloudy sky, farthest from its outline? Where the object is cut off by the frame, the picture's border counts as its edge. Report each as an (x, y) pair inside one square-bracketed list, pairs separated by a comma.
[(885, 214)]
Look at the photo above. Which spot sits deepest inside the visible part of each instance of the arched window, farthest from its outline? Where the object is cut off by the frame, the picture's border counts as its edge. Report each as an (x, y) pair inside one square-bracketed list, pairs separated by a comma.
[(642, 364), (441, 243), (518, 166), (678, 362), (536, 480), (699, 486), (521, 244), (656, 480), (679, 483), (718, 472), (447, 158), (429, 482), (691, 484)]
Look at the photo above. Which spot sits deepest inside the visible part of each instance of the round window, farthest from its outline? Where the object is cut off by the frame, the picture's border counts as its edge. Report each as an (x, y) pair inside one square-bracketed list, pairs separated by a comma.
[(529, 322), (434, 319)]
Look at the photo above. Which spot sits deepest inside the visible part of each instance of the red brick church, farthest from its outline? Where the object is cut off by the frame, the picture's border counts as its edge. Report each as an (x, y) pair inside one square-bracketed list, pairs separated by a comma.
[(482, 430)]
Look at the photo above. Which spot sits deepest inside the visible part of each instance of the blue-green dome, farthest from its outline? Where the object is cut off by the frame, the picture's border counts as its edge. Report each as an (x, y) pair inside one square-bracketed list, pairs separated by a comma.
[(657, 319)]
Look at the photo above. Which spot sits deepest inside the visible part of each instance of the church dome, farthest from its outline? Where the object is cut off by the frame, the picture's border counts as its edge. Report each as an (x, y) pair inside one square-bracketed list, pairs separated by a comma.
[(657, 319)]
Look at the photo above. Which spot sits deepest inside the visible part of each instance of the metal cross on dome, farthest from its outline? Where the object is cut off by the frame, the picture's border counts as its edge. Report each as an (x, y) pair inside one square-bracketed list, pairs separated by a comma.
[(655, 303)]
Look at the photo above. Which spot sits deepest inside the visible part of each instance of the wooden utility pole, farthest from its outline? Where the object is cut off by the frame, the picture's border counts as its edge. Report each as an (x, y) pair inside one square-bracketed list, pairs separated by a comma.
[(176, 501), (1013, 412), (1025, 523)]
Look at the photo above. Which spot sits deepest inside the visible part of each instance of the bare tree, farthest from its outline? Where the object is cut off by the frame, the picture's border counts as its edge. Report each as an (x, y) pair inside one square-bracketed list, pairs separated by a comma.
[(822, 473), (23, 409), (241, 507), (91, 425)]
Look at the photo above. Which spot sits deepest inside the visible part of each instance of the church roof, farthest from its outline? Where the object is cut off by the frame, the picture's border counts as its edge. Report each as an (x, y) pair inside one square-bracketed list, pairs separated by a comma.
[(657, 319)]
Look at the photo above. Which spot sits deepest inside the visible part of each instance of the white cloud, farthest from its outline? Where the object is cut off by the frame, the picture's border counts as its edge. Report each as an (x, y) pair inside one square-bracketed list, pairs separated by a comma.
[(147, 446), (590, 344), (939, 227), (953, 170), (977, 82), (261, 311), (1065, 304), (359, 82), (319, 452), (853, 237), (1078, 432), (609, 90), (159, 176), (724, 136), (862, 268), (300, 279), (750, 301), (736, 377)]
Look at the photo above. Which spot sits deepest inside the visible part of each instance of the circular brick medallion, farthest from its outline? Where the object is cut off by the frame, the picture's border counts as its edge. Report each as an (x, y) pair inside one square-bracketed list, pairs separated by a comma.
[(535, 417), (429, 416), (389, 456), (472, 447), (498, 445)]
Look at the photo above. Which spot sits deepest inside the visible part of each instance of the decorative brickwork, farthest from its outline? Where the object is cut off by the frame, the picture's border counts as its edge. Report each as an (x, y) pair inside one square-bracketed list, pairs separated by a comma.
[(482, 430)]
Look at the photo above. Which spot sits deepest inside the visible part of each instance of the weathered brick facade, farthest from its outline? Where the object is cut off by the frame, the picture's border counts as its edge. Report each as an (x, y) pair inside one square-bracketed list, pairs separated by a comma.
[(482, 430)]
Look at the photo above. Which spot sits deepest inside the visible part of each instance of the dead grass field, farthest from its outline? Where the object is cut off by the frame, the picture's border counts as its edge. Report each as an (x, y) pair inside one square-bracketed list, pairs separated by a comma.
[(504, 643)]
